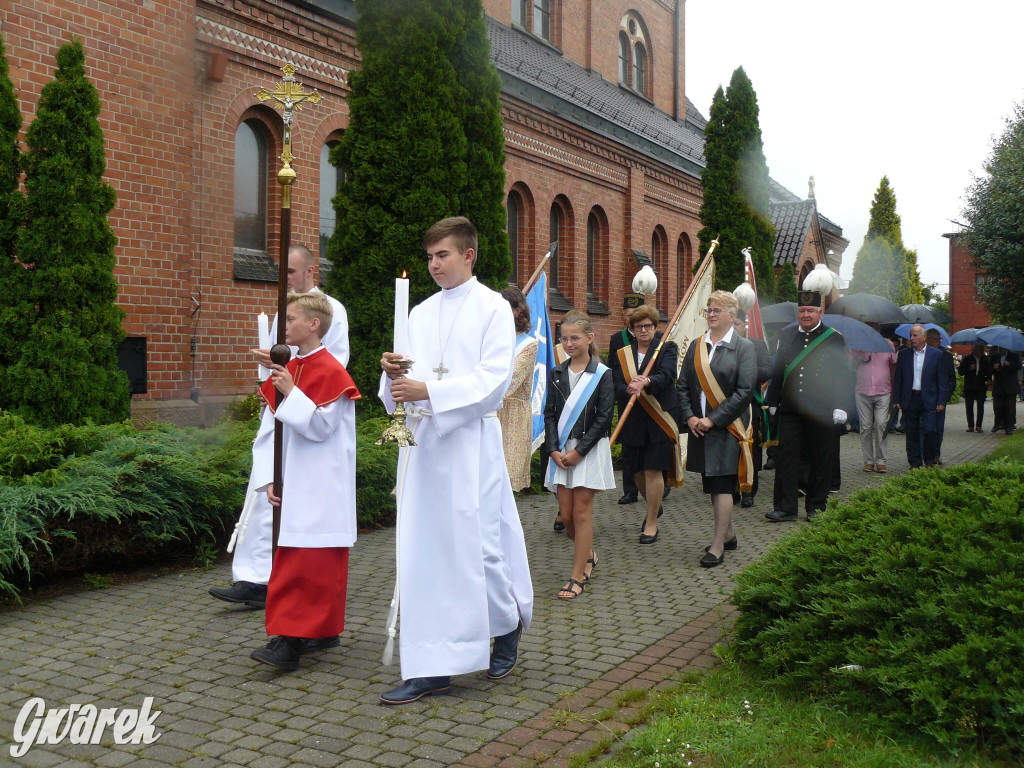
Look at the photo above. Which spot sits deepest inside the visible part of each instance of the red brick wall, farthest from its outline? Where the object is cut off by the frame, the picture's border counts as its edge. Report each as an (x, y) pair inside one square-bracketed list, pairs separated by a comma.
[(963, 295), (170, 150), (139, 56)]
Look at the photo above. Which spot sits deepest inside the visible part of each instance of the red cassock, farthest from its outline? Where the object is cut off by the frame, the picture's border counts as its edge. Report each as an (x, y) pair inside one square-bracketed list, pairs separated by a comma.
[(308, 586)]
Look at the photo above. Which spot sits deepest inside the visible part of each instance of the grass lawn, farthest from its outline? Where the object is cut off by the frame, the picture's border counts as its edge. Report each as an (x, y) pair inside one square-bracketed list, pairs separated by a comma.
[(727, 718), (1011, 447)]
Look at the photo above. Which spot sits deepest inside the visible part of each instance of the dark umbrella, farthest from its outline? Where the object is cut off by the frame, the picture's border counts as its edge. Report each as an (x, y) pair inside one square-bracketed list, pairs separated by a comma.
[(966, 336), (1003, 337), (779, 314), (922, 313), (868, 308), (856, 334)]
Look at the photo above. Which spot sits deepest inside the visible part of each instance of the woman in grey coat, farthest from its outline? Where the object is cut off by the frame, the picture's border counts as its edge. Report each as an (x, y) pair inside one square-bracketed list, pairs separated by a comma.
[(712, 449)]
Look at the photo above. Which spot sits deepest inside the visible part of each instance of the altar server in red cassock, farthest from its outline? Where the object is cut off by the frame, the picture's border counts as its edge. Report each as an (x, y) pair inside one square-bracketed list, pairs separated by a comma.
[(309, 577)]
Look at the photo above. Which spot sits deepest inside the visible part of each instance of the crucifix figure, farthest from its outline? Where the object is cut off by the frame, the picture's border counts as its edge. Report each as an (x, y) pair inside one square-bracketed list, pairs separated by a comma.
[(288, 97)]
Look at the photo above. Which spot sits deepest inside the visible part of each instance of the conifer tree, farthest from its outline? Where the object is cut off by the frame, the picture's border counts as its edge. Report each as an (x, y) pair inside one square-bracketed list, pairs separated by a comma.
[(67, 371), (785, 289), (899, 280), (876, 270), (884, 221), (14, 305), (735, 183), (424, 142)]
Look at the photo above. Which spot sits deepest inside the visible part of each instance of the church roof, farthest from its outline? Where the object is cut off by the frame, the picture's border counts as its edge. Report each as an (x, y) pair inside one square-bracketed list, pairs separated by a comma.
[(537, 73), (792, 221)]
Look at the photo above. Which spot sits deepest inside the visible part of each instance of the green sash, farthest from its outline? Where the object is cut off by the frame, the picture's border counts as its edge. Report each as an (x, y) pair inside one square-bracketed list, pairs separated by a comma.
[(804, 353)]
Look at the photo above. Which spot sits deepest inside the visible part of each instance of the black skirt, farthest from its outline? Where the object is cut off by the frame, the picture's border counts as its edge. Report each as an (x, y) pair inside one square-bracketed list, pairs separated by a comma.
[(715, 484), (653, 456)]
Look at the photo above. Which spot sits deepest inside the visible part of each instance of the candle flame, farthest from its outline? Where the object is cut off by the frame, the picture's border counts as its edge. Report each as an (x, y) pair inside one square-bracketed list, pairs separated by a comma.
[(404, 274)]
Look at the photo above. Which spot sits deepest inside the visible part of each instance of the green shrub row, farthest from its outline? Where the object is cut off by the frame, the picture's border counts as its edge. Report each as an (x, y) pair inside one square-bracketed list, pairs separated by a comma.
[(906, 601), (109, 497)]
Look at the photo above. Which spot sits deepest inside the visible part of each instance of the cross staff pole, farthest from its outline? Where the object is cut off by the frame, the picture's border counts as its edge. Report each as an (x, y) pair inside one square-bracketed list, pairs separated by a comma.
[(288, 96), (540, 268), (668, 331)]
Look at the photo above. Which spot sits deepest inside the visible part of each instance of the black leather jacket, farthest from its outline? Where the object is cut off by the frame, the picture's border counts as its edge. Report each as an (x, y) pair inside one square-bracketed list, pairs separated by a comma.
[(593, 424)]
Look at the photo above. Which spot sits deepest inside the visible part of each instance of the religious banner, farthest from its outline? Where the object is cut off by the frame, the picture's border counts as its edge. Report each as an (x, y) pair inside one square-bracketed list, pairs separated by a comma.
[(537, 301), (755, 327)]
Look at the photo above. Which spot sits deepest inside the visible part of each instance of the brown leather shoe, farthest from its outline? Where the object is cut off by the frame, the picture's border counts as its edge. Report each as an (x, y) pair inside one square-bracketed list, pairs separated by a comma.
[(869, 467), (880, 469)]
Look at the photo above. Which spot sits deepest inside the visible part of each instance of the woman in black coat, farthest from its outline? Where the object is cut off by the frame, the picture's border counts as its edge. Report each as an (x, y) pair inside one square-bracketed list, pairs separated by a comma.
[(645, 445), (712, 449)]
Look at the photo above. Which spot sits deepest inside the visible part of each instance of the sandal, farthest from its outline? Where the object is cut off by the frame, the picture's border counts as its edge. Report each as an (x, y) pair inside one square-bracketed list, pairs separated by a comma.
[(592, 561), (570, 588), (559, 525)]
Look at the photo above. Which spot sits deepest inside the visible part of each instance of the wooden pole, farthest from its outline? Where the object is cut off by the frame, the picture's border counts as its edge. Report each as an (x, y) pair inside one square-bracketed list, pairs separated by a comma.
[(540, 268), (668, 331)]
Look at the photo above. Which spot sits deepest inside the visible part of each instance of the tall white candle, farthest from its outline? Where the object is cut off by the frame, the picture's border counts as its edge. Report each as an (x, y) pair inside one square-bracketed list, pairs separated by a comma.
[(401, 343), (263, 324)]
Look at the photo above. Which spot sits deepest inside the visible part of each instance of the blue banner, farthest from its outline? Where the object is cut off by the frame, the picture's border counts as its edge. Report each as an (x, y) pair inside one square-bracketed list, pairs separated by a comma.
[(537, 301)]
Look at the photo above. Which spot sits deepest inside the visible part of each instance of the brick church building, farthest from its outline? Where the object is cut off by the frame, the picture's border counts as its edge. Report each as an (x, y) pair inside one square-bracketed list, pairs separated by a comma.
[(604, 154)]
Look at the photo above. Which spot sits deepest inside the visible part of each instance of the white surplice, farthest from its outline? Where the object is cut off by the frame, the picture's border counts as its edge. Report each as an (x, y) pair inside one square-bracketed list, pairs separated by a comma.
[(462, 567), (251, 561), (318, 470)]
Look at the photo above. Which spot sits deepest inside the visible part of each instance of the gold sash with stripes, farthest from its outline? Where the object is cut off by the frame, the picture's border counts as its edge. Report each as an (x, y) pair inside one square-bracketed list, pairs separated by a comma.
[(715, 396), (660, 416)]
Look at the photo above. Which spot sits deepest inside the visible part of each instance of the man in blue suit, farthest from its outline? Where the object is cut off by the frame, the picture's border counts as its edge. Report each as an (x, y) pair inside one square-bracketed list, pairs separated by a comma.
[(921, 389)]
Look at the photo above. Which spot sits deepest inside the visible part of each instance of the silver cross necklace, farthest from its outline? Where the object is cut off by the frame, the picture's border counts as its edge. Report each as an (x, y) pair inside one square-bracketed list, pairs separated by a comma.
[(441, 370)]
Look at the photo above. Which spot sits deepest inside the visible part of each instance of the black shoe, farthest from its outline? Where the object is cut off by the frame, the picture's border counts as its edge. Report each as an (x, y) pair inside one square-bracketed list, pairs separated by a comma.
[(416, 688), (559, 525), (628, 498), (247, 592), (645, 539), (834, 489), (505, 654), (643, 522), (668, 490), (314, 644), (281, 652), (732, 543), (748, 500), (710, 561), (813, 513), (801, 492), (777, 516), (769, 464)]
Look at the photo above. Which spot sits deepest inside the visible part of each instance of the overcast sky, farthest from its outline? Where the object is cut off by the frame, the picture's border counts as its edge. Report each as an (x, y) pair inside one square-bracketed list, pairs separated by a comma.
[(849, 92)]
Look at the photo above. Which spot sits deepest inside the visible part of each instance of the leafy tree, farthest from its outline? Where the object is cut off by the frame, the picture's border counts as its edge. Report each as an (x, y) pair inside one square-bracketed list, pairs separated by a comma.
[(994, 235), (14, 303), (424, 142), (875, 270), (785, 289), (735, 182), (67, 371)]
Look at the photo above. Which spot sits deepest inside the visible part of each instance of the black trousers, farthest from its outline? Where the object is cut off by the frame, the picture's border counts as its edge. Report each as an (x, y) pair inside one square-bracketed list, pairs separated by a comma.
[(975, 402), (1004, 411), (922, 432), (820, 441)]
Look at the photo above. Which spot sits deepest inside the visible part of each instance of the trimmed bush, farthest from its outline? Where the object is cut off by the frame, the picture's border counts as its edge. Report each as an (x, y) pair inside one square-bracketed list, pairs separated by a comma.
[(920, 586)]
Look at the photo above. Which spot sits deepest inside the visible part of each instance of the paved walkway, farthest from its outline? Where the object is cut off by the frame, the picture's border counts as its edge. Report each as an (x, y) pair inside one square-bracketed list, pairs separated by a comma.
[(649, 612)]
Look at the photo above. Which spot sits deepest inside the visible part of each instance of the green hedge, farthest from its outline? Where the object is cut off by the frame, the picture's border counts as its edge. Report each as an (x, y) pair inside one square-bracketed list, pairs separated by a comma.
[(919, 585), (111, 497)]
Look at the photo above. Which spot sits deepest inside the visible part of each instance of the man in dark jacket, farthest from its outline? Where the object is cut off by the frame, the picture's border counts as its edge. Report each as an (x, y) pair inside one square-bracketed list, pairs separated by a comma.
[(1005, 389), (920, 388), (976, 368), (811, 384)]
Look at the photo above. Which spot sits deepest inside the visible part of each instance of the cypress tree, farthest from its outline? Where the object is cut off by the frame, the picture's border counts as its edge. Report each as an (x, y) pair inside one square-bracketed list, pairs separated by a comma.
[(14, 305), (785, 289), (899, 280), (424, 142), (735, 182), (67, 371)]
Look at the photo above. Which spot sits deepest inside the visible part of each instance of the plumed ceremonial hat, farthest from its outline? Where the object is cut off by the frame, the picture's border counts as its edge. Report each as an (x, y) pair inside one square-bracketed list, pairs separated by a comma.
[(808, 299), (633, 300)]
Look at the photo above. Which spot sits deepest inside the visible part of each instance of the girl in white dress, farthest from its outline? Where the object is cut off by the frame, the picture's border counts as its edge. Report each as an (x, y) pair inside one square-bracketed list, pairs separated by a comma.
[(577, 416)]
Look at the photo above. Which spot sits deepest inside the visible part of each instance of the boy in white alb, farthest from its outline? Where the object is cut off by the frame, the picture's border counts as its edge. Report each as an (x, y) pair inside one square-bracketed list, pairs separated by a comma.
[(463, 576), (309, 577)]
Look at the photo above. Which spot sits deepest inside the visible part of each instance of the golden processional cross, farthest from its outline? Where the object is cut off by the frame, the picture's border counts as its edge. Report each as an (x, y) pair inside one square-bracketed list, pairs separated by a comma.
[(289, 97)]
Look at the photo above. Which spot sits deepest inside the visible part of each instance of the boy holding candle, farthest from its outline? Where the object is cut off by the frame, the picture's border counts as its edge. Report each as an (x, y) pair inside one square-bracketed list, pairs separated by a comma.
[(463, 576), (308, 583)]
